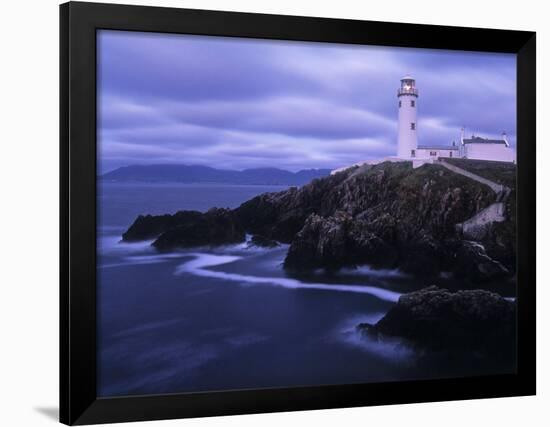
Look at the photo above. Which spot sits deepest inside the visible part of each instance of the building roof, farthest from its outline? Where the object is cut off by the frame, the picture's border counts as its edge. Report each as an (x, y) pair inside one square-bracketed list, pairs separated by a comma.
[(479, 140), (407, 77), (437, 147)]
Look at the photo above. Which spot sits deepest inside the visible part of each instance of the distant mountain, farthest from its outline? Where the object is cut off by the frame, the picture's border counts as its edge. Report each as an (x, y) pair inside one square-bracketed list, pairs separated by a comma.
[(205, 174)]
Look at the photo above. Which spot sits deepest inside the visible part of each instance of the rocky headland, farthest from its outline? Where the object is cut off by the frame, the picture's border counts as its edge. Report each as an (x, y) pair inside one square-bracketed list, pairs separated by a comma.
[(476, 322), (387, 216)]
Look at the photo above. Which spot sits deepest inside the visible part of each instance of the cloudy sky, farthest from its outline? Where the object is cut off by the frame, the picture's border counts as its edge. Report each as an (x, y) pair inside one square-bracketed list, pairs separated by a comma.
[(240, 103)]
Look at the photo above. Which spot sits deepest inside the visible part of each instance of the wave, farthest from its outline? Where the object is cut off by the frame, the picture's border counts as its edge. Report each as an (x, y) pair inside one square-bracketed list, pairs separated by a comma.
[(247, 247), (145, 259), (199, 267), (142, 252), (365, 270), (113, 245)]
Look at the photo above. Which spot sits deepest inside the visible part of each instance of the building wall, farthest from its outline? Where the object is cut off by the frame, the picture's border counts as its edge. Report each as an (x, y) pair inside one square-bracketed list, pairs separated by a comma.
[(407, 139), (497, 152), (423, 153)]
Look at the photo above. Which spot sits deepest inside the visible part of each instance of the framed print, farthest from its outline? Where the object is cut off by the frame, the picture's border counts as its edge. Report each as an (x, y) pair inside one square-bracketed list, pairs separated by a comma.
[(273, 213)]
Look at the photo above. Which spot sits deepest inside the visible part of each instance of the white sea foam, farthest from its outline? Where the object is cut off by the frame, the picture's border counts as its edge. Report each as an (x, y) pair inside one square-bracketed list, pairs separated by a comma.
[(143, 253), (199, 267), (247, 247), (130, 253), (126, 262), (140, 253), (147, 259), (112, 245), (365, 270)]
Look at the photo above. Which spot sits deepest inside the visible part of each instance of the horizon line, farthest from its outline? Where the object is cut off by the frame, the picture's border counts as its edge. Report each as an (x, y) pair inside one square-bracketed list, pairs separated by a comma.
[(212, 167)]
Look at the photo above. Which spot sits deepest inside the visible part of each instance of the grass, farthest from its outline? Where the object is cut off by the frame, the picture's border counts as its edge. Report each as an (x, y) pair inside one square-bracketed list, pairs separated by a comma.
[(500, 172)]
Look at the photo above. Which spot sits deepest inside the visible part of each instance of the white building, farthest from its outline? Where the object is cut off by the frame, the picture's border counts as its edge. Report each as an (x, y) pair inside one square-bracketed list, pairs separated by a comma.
[(407, 141), (435, 151), (487, 149)]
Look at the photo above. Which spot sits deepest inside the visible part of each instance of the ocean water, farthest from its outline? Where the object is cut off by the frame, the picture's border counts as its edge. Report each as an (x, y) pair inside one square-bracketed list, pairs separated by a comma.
[(230, 317)]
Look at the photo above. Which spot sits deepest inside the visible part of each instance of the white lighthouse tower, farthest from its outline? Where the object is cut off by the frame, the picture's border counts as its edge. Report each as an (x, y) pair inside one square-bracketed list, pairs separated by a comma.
[(407, 95)]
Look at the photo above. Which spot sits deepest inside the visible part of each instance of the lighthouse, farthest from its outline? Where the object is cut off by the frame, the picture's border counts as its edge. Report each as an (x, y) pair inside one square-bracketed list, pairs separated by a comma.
[(408, 150), (407, 96)]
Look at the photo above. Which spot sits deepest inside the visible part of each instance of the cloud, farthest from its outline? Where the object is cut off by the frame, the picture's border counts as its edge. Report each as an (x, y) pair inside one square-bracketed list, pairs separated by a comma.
[(299, 116), (238, 103), (149, 66)]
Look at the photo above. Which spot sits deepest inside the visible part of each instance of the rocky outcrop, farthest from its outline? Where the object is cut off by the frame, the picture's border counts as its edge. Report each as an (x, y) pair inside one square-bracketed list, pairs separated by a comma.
[(436, 319), (262, 242), (392, 216), (386, 215), (470, 261), (279, 216), (335, 241), (147, 227), (215, 227)]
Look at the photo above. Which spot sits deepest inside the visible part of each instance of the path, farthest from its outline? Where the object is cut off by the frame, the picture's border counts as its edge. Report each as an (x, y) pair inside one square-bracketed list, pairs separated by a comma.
[(497, 188), (474, 227)]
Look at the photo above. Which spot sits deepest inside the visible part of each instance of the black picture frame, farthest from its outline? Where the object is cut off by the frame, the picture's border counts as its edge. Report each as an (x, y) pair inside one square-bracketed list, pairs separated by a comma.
[(78, 25)]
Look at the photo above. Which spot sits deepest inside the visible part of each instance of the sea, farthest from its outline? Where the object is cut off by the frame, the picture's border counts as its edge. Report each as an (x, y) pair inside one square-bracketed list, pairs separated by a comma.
[(230, 317)]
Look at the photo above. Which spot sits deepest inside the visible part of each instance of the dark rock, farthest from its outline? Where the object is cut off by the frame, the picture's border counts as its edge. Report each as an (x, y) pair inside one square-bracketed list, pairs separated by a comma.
[(472, 262), (334, 242), (367, 329), (279, 216), (500, 243), (424, 257), (215, 227), (437, 319), (149, 227), (263, 242)]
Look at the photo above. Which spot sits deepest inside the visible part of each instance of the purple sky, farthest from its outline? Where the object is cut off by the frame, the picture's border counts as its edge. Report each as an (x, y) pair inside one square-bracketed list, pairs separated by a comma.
[(241, 103)]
